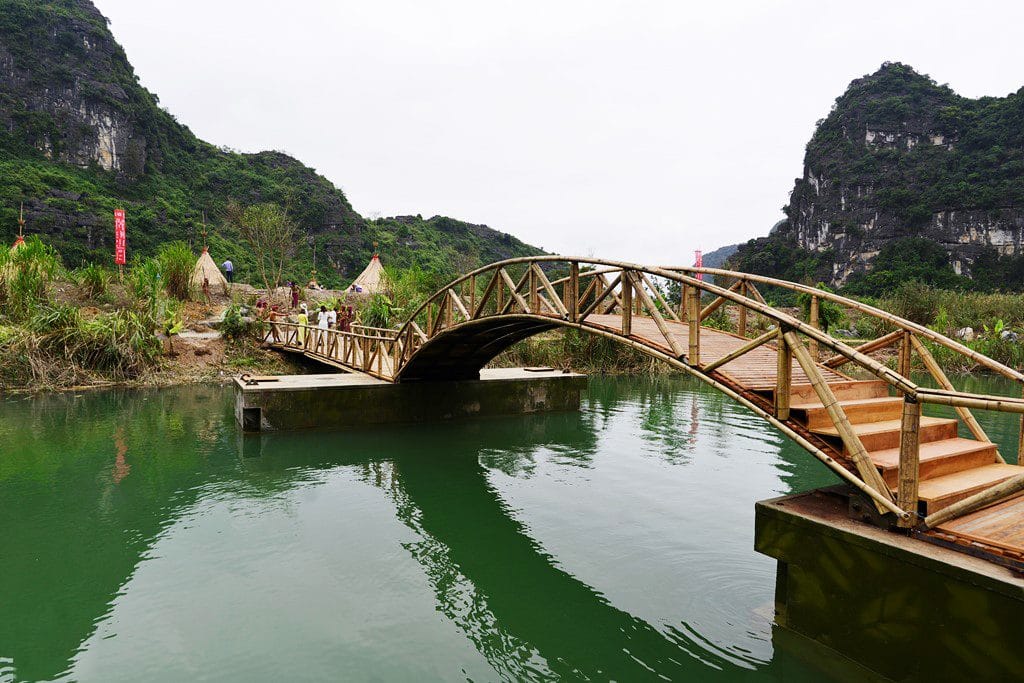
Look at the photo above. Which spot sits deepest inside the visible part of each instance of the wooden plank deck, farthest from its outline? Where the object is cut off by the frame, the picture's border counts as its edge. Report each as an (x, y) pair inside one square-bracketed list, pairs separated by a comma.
[(754, 371)]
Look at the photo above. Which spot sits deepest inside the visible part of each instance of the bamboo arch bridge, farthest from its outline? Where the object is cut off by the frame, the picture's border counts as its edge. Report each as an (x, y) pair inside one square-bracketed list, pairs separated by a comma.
[(858, 416)]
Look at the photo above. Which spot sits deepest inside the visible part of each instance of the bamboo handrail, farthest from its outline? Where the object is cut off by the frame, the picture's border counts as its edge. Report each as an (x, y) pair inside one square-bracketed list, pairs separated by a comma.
[(865, 348), (989, 496), (939, 376), (865, 467)]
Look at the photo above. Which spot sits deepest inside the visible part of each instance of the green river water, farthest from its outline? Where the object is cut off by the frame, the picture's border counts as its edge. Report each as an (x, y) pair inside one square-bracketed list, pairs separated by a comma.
[(144, 539)]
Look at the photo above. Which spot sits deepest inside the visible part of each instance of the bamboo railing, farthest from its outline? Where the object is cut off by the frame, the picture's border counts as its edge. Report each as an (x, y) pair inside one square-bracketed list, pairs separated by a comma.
[(522, 289)]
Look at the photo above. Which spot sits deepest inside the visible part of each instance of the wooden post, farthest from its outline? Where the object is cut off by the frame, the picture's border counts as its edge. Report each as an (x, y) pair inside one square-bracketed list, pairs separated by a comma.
[(741, 325), (472, 294), (906, 346), (684, 301), (693, 323), (813, 345), (572, 299), (783, 378), (910, 462), (627, 303)]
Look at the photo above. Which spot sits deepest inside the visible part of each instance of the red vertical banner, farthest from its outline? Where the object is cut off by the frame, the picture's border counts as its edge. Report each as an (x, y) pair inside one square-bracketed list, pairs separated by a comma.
[(698, 262), (120, 238)]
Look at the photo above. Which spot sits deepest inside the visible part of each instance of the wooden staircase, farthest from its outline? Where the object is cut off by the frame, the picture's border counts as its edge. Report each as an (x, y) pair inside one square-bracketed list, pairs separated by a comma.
[(951, 467)]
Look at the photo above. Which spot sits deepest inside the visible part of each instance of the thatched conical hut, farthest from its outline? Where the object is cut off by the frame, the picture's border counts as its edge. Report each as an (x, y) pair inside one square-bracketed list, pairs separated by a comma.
[(371, 280), (207, 269)]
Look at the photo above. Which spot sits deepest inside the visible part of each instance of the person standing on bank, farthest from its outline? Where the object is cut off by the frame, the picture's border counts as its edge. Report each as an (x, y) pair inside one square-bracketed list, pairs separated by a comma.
[(229, 270)]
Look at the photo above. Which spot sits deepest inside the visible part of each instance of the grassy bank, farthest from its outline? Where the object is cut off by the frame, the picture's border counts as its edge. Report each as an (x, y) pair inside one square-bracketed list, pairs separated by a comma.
[(68, 328)]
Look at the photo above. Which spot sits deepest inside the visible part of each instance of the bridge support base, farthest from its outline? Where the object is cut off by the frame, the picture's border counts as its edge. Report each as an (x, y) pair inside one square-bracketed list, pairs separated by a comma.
[(904, 608), (338, 401)]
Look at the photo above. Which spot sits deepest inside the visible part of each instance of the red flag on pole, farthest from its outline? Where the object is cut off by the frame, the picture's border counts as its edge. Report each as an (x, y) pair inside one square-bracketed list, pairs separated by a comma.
[(698, 262), (120, 238)]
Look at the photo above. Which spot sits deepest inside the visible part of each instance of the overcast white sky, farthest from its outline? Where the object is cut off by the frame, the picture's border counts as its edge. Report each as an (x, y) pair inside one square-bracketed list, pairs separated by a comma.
[(634, 130)]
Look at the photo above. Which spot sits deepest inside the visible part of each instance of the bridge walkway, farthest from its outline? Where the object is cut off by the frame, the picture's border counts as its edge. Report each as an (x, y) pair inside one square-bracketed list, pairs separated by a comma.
[(938, 478)]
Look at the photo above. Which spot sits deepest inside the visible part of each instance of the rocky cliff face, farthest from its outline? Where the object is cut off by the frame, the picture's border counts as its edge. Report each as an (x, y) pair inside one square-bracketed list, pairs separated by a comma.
[(899, 157), (66, 88)]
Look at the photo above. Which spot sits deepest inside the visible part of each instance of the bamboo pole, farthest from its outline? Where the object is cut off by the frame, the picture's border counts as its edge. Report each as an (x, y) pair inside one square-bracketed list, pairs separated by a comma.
[(661, 299), (906, 346), (572, 299), (991, 495), (866, 468), (961, 410), (746, 348), (600, 297), (645, 300), (865, 348), (627, 303), (714, 305), (458, 304), (514, 291), (556, 301), (813, 343), (910, 459), (741, 325), (783, 377), (693, 325)]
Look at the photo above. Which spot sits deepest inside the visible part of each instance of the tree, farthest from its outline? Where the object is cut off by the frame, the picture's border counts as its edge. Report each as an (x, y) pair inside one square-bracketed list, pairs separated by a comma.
[(270, 234)]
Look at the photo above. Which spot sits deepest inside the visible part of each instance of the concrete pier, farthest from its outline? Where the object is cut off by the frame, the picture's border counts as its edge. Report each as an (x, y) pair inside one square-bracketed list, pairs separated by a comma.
[(334, 401), (904, 608)]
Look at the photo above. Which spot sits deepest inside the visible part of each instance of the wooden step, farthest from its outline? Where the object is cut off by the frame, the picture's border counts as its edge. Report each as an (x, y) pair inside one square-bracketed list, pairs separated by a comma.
[(814, 415), (877, 436), (943, 491), (844, 391), (938, 458)]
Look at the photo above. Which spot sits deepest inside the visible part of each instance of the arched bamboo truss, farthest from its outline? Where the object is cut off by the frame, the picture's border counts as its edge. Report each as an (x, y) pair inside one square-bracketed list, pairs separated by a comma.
[(786, 370)]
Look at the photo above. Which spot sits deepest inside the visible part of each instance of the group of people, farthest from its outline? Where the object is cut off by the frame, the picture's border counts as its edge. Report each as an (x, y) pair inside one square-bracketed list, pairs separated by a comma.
[(338, 318)]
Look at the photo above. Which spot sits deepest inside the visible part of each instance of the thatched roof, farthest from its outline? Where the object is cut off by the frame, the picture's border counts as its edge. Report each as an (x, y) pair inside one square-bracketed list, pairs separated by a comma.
[(371, 280), (206, 268), (18, 244)]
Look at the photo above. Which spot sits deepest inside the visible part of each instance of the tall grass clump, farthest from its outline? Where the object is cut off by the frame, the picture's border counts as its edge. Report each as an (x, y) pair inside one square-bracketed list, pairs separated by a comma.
[(24, 276), (176, 265), (94, 280)]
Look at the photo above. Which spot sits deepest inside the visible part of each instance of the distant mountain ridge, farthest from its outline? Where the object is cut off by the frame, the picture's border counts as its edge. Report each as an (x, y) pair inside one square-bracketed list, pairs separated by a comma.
[(79, 137), (900, 165)]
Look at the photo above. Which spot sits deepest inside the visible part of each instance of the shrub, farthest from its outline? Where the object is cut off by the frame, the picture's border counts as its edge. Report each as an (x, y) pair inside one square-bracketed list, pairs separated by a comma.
[(234, 326)]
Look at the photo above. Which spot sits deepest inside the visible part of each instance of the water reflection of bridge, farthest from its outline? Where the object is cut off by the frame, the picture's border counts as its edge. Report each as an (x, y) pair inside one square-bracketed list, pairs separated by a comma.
[(91, 524)]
